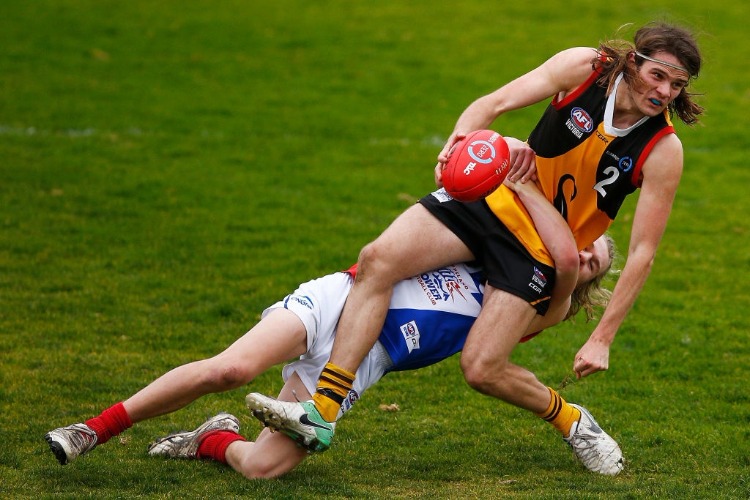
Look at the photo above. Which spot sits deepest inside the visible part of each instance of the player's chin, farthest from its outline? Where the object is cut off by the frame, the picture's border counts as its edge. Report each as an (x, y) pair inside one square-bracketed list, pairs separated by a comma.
[(650, 109)]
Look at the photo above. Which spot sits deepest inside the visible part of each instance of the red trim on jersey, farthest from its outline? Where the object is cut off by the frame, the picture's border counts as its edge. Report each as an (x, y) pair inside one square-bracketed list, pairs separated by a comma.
[(634, 179), (352, 271), (530, 336), (593, 77)]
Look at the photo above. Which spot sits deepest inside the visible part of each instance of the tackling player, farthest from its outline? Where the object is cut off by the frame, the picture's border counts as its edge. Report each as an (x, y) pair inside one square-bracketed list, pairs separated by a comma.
[(428, 321), (606, 132)]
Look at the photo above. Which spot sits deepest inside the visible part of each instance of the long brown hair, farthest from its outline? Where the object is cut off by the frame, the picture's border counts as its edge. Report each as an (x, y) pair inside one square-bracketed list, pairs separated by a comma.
[(613, 59)]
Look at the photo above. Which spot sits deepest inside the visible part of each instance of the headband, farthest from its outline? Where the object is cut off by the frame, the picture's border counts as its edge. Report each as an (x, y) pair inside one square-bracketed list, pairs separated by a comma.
[(665, 63)]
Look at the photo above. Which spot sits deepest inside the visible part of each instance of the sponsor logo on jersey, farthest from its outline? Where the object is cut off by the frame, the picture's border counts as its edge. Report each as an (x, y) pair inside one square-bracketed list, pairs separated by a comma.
[(410, 331), (601, 137), (538, 280), (302, 300), (625, 163), (443, 285), (580, 122)]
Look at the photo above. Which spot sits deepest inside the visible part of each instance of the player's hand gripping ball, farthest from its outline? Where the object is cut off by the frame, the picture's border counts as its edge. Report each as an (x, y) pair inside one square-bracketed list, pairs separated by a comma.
[(477, 165)]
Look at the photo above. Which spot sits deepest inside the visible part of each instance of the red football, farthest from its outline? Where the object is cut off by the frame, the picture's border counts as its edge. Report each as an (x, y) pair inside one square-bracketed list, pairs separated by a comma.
[(477, 166)]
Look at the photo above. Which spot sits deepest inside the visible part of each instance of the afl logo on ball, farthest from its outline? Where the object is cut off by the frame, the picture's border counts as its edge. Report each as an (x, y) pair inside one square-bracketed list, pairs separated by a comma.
[(582, 120), (481, 152)]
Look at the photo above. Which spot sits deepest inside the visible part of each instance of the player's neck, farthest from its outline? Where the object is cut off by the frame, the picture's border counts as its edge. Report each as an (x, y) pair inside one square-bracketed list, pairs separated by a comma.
[(627, 112)]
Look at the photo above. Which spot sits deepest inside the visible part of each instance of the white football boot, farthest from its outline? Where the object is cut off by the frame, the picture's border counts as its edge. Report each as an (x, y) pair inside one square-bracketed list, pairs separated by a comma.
[(185, 444), (594, 447), (300, 421), (68, 443)]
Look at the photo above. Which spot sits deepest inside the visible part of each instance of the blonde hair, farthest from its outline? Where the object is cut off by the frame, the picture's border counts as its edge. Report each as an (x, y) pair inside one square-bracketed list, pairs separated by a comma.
[(592, 295)]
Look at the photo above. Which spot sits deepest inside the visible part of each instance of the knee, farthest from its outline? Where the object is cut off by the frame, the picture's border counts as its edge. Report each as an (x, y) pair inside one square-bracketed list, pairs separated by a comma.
[(474, 375), (370, 256), (487, 378), (374, 262), (223, 375)]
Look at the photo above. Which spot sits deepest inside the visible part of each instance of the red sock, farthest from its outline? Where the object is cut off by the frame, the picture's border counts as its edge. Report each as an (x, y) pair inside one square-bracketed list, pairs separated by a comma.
[(111, 422), (214, 445)]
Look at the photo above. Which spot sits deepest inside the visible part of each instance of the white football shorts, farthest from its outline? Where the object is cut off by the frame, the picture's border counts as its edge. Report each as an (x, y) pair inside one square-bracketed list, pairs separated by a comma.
[(318, 304)]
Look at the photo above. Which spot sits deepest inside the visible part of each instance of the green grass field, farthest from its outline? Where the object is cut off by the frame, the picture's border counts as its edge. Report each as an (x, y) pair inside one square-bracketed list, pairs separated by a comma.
[(168, 169)]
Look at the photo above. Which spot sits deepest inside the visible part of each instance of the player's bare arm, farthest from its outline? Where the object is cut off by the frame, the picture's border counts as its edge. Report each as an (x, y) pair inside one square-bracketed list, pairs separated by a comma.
[(558, 239), (560, 74), (661, 175)]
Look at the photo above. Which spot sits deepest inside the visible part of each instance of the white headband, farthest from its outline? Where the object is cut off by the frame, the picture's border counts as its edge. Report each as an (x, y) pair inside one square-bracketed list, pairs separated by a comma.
[(659, 61)]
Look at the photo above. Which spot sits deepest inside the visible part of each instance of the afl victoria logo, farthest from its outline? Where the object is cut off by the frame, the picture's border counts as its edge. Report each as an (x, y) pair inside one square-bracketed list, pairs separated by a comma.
[(481, 151), (582, 120)]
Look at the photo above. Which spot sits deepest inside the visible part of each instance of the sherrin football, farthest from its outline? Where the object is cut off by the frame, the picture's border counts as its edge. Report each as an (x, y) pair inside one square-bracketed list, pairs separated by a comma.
[(477, 166)]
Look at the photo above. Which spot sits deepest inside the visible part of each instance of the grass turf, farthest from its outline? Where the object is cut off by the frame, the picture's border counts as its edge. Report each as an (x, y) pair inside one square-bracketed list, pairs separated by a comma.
[(169, 169)]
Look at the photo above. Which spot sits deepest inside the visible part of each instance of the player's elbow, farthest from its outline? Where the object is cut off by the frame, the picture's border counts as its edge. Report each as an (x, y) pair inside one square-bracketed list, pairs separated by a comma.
[(567, 264), (642, 257)]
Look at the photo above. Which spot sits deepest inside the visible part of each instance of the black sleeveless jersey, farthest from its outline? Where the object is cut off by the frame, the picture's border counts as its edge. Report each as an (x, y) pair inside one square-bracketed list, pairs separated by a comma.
[(583, 170)]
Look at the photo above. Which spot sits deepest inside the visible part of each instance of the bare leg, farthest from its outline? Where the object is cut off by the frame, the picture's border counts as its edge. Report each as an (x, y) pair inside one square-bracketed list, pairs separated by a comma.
[(278, 337), (485, 359), (272, 454), (414, 243)]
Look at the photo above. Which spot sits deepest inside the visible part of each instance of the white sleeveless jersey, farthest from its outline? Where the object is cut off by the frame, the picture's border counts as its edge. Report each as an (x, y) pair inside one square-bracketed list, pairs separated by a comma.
[(428, 320), (430, 316)]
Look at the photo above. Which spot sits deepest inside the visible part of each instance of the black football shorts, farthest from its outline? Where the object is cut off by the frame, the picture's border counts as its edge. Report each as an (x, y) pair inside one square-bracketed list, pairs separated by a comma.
[(507, 264)]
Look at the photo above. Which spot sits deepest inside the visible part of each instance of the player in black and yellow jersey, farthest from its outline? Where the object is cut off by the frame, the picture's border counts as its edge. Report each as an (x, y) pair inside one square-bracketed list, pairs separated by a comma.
[(606, 133)]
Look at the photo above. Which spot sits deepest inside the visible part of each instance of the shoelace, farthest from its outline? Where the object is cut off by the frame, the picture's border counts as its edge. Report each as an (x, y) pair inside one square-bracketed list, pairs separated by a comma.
[(588, 449), (79, 440)]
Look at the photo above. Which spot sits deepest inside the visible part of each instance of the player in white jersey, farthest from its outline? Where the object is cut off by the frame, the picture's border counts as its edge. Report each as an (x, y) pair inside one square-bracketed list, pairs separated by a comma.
[(427, 322), (429, 319)]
